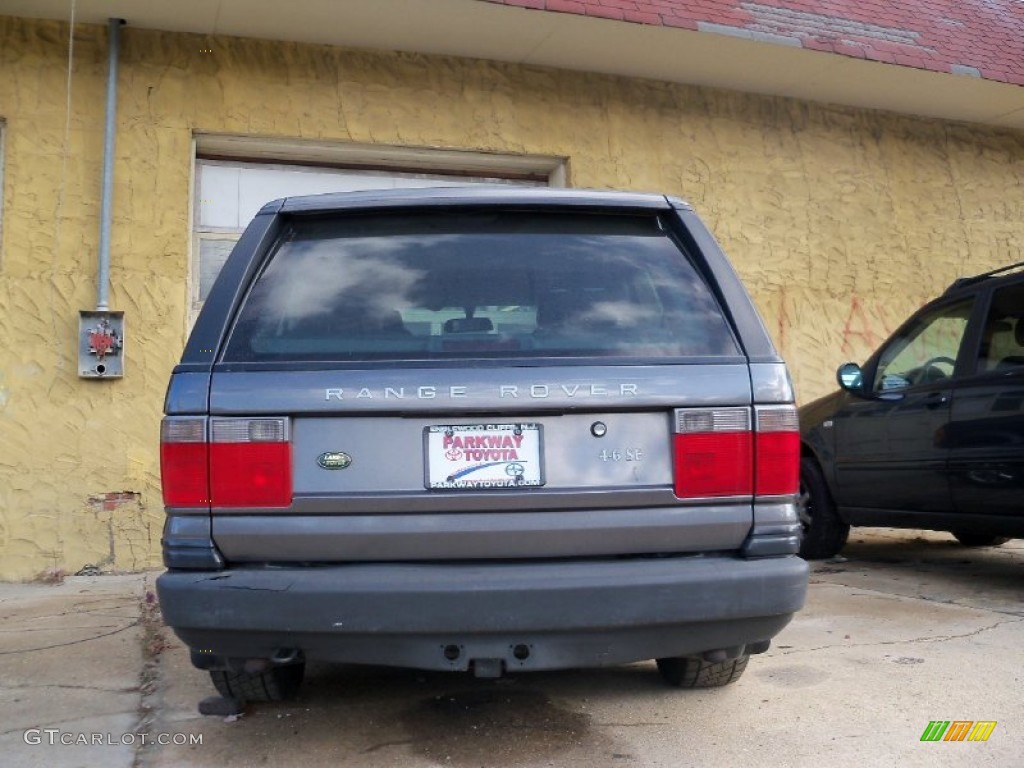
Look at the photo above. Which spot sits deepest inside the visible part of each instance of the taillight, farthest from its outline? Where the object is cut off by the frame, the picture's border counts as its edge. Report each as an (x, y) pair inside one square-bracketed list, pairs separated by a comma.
[(714, 452), (245, 463), (184, 463), (777, 451), (250, 463), (718, 452)]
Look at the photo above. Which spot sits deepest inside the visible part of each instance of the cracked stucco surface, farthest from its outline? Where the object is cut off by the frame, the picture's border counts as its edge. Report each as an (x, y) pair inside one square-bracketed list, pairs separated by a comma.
[(840, 221)]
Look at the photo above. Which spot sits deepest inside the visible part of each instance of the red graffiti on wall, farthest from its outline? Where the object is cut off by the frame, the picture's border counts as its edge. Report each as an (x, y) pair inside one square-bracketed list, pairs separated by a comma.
[(860, 326), (866, 325)]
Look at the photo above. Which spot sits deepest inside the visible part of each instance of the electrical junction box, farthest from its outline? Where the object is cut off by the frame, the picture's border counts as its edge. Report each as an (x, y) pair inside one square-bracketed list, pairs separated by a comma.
[(100, 344)]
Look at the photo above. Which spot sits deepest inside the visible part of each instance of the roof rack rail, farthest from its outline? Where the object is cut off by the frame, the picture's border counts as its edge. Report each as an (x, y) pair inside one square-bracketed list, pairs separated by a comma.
[(961, 281)]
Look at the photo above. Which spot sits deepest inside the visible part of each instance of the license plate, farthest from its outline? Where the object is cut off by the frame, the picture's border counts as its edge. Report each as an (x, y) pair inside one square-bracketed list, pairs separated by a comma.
[(478, 456)]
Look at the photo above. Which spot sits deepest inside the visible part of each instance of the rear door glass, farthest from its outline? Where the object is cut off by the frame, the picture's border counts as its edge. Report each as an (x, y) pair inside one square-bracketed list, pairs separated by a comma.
[(1002, 343), (444, 286)]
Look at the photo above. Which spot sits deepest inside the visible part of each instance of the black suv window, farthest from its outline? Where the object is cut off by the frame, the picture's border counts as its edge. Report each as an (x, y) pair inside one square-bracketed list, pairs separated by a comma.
[(925, 351), (476, 285), (1002, 344)]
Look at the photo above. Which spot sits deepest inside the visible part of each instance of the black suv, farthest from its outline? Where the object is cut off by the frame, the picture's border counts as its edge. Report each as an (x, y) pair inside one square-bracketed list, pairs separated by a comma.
[(478, 429), (929, 432)]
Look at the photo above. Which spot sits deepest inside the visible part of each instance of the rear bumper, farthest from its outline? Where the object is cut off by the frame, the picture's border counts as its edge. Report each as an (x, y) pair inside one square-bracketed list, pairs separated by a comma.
[(546, 615)]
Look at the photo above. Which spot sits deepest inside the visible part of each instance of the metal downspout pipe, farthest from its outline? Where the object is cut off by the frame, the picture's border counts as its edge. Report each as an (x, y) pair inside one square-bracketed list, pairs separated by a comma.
[(103, 278)]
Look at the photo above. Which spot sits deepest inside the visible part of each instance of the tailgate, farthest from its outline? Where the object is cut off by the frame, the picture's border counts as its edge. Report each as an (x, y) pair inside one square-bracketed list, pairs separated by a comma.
[(553, 462)]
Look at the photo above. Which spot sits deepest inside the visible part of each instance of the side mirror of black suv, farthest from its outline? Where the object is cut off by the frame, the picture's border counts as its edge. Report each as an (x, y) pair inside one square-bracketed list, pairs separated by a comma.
[(850, 378)]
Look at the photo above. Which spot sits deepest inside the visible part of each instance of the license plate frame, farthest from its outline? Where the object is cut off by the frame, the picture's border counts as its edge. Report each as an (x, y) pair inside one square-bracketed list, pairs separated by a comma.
[(496, 456)]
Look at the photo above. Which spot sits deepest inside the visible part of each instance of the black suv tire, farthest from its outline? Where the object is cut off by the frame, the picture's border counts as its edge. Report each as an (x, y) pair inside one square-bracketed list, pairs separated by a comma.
[(276, 684), (970, 539), (824, 533)]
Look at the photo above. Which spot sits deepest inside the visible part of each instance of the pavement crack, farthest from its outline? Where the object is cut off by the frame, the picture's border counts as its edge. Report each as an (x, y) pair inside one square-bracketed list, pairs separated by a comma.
[(80, 608), (387, 744), (66, 686), (924, 598), (62, 628), (925, 639), (632, 725), (71, 642)]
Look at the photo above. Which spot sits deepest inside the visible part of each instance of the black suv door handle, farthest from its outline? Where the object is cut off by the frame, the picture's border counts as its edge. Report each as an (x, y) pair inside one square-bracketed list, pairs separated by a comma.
[(935, 399)]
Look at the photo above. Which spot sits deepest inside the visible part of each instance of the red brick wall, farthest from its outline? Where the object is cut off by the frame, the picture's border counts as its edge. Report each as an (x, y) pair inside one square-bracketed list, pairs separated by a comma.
[(983, 38)]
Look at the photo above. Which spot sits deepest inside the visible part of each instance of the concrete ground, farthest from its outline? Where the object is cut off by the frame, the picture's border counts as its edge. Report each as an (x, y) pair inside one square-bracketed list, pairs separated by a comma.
[(907, 629)]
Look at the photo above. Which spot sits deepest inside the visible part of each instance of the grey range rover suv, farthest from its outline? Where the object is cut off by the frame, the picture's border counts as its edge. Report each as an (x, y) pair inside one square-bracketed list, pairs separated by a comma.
[(484, 429)]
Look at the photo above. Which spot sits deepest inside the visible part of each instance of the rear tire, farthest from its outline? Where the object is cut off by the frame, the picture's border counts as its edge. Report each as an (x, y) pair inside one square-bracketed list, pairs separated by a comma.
[(969, 539), (276, 684), (824, 532), (692, 672)]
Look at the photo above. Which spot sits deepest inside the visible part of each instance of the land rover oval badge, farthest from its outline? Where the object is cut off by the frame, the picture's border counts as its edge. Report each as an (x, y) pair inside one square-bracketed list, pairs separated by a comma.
[(333, 460)]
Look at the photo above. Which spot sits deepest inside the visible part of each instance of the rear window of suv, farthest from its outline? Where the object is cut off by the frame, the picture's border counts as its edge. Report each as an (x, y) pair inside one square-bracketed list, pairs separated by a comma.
[(509, 285)]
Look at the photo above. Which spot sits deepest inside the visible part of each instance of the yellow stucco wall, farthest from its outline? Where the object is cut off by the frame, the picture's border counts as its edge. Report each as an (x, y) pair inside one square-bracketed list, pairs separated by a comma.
[(841, 222)]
